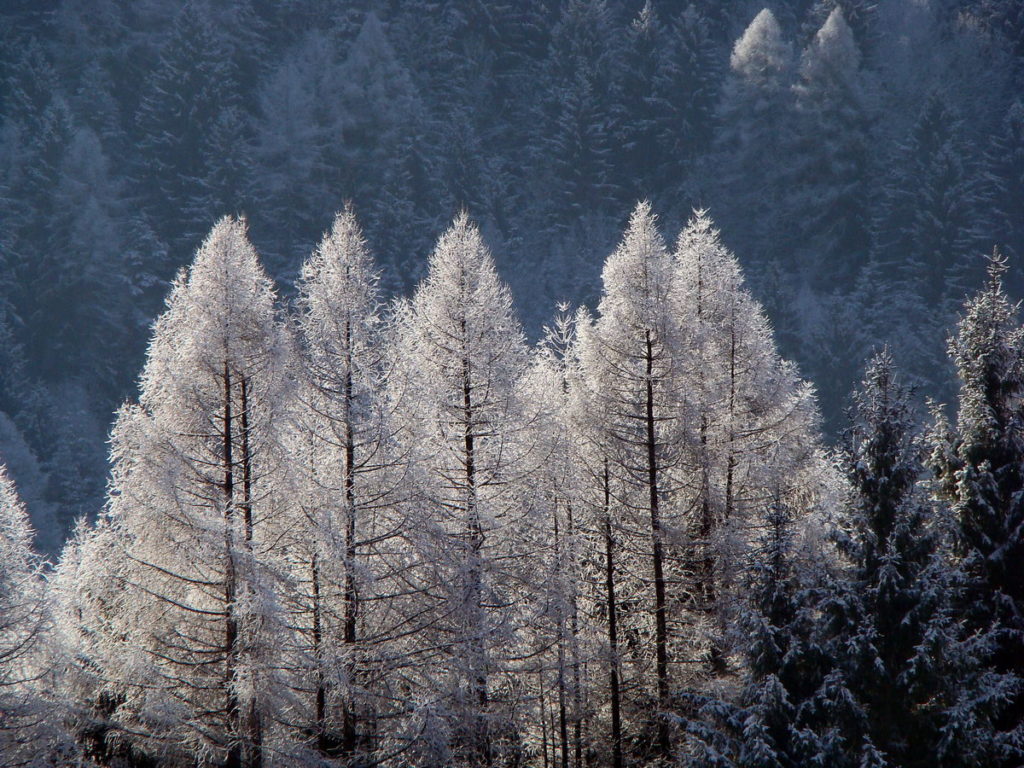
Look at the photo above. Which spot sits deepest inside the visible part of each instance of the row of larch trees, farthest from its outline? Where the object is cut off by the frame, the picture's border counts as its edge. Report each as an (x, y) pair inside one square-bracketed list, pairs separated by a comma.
[(369, 534)]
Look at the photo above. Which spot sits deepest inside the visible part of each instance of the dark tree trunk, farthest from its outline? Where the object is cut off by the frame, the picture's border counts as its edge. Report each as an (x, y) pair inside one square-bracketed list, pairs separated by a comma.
[(613, 632), (661, 623)]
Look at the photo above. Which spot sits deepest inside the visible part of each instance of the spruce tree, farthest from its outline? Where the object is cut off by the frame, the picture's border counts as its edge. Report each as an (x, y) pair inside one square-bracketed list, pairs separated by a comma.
[(911, 692), (981, 472)]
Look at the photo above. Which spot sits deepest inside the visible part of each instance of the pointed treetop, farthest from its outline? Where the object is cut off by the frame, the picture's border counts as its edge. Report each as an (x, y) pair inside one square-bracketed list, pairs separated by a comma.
[(646, 22), (15, 529), (833, 52), (640, 251), (341, 257), (761, 55), (702, 256)]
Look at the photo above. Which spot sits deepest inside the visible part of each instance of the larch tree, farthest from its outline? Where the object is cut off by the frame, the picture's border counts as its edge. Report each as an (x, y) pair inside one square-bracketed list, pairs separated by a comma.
[(561, 639), (755, 113), (632, 364), (831, 136), (29, 724), (460, 360), (198, 492), (756, 428), (348, 472)]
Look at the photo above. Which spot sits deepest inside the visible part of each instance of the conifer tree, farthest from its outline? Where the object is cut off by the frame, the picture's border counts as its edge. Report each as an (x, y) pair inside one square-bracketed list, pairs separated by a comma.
[(754, 112), (831, 137), (979, 468), (911, 673), (776, 718), (632, 365), (755, 422), (460, 358), (346, 468), (183, 98), (197, 491), (29, 732)]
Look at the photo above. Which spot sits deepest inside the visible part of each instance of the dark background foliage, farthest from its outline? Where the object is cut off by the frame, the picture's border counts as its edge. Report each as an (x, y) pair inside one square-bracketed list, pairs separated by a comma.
[(860, 180)]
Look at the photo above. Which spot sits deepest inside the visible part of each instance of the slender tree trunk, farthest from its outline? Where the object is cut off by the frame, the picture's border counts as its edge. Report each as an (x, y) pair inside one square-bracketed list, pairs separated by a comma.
[(577, 689), (543, 721), (661, 623), (253, 752), (563, 719), (233, 759), (476, 542), (322, 742), (349, 725), (613, 632)]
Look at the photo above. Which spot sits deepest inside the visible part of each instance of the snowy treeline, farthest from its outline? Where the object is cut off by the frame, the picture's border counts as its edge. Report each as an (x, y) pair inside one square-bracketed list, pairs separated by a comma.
[(347, 532), (858, 155)]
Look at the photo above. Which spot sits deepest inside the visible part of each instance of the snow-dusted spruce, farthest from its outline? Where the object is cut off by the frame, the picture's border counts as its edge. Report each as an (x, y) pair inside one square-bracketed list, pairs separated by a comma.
[(198, 494), (346, 472), (632, 362), (980, 470), (905, 672), (773, 725), (29, 723), (461, 355)]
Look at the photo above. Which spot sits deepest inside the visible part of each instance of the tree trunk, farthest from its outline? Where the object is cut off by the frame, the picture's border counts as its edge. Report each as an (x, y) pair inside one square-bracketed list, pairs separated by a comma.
[(475, 586), (233, 758), (613, 636), (661, 624), (349, 725)]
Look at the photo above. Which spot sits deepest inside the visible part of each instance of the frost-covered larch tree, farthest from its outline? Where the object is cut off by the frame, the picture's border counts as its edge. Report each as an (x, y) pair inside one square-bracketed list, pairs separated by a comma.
[(29, 723), (980, 469), (563, 645), (756, 428), (347, 474), (197, 490), (632, 368), (755, 110), (460, 358), (91, 610)]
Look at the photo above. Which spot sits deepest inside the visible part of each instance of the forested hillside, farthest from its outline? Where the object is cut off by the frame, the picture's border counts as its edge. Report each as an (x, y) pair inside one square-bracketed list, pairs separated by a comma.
[(860, 163)]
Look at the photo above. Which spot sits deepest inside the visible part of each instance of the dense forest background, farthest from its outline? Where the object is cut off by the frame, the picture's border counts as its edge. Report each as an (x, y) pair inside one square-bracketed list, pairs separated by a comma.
[(860, 171)]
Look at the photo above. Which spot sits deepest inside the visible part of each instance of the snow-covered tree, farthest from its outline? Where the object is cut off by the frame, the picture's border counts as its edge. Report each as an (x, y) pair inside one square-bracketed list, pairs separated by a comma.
[(911, 673), (632, 363), (755, 114), (562, 635), (179, 105), (460, 357), (979, 468), (29, 724), (774, 723), (755, 428), (927, 229), (198, 493), (345, 466), (828, 195)]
